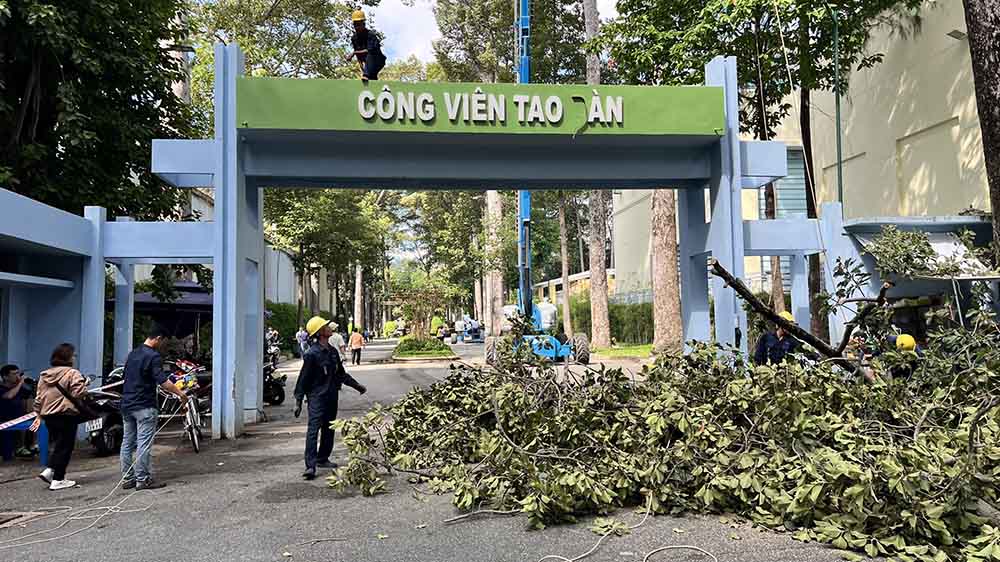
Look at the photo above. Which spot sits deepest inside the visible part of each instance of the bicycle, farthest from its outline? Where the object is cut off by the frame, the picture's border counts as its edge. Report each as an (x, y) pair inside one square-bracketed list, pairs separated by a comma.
[(171, 407)]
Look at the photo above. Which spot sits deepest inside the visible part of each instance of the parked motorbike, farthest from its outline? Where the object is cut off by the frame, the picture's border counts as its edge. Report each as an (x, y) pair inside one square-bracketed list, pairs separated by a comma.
[(106, 432), (274, 385)]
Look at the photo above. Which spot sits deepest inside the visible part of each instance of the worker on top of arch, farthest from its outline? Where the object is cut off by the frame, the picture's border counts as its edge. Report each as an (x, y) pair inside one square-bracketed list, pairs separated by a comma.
[(367, 48)]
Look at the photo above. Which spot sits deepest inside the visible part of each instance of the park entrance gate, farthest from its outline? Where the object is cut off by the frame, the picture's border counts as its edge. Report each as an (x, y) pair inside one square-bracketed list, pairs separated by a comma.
[(273, 132)]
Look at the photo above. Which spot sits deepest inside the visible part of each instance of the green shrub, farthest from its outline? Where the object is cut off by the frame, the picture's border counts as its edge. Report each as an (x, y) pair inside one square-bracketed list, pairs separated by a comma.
[(630, 323), (436, 323), (412, 344), (283, 318), (389, 329)]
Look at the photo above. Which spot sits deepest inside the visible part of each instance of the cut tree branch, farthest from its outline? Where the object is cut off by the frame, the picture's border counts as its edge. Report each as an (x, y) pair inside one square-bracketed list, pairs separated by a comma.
[(747, 295), (861, 315)]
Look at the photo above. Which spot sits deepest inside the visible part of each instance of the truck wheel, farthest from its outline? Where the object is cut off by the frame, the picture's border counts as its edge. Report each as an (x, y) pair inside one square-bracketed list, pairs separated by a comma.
[(581, 349), (491, 351)]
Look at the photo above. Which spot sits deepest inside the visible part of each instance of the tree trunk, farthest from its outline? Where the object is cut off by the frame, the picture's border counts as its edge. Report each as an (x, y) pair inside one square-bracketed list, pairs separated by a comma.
[(579, 237), (494, 210), (301, 304), (820, 325), (777, 286), (600, 325), (592, 22), (564, 251), (982, 20), (359, 303), (667, 330), (335, 295), (477, 299)]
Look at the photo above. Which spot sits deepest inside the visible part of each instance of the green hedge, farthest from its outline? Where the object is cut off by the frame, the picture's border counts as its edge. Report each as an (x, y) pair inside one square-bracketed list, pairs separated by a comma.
[(283, 318), (412, 344), (389, 329), (630, 323)]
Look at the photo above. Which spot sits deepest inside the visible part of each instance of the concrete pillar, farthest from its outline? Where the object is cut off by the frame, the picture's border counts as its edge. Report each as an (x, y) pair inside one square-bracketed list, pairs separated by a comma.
[(726, 227), (124, 310), (800, 290), (229, 327), (693, 262), (90, 353)]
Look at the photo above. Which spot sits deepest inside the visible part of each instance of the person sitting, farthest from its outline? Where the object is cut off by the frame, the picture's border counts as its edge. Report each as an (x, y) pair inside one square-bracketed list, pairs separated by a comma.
[(773, 347), (13, 393)]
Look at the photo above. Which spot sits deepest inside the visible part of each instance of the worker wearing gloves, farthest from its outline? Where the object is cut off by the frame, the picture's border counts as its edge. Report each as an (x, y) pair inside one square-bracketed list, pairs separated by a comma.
[(319, 383), (773, 347), (367, 48)]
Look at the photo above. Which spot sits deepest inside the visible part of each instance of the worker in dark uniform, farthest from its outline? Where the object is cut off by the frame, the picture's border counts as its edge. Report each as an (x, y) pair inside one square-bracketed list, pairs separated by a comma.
[(319, 383), (367, 48), (773, 347)]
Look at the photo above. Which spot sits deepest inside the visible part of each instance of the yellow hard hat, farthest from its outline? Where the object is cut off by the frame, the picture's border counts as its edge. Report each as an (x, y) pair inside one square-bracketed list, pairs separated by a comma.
[(315, 324), (787, 316), (358, 15), (905, 342)]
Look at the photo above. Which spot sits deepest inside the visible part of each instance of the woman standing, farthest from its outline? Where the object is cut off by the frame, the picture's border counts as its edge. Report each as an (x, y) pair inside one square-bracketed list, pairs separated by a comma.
[(55, 407)]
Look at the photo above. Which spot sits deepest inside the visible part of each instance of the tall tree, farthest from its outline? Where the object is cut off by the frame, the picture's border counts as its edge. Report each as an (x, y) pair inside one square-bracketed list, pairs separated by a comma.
[(982, 20), (667, 329), (600, 323), (84, 88), (476, 43), (564, 254), (781, 45)]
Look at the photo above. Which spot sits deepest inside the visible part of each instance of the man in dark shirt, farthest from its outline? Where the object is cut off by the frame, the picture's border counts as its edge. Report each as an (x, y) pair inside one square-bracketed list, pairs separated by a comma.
[(773, 347), (143, 373), (367, 48), (319, 382), (12, 395)]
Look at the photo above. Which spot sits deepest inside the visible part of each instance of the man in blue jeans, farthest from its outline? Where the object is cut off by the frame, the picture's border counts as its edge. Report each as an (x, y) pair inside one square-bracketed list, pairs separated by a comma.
[(143, 373)]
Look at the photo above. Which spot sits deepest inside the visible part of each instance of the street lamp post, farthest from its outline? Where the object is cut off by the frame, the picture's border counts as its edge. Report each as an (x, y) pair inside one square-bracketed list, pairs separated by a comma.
[(836, 96)]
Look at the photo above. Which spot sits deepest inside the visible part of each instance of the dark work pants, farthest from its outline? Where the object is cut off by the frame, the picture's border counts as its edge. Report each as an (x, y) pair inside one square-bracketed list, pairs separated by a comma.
[(356, 356), (62, 439), (322, 411)]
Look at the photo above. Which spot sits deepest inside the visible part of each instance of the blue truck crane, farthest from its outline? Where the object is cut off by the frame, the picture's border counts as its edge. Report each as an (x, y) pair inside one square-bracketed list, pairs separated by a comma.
[(544, 345)]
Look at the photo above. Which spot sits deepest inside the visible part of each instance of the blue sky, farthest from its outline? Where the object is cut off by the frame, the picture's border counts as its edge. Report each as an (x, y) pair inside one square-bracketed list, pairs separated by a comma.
[(410, 30)]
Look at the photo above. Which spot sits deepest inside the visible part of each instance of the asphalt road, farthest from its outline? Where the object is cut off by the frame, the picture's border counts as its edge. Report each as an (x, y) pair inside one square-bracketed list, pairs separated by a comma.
[(243, 500)]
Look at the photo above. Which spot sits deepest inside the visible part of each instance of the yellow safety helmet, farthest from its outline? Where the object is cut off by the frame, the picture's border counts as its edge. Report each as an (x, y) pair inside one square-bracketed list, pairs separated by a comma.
[(787, 316), (905, 342), (315, 324), (358, 15)]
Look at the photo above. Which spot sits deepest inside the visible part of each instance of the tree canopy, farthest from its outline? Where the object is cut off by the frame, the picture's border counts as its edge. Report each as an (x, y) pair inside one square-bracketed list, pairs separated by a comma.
[(84, 88)]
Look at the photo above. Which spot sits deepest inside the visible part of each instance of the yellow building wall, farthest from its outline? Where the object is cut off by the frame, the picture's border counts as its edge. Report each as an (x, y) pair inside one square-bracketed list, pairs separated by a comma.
[(911, 138)]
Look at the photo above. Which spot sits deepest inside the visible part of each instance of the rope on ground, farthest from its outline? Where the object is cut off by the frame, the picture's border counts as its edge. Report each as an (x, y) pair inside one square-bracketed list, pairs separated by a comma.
[(77, 514), (649, 510), (679, 547)]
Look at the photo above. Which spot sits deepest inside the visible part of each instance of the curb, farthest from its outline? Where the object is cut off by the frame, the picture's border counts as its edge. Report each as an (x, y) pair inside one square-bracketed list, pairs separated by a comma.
[(425, 359)]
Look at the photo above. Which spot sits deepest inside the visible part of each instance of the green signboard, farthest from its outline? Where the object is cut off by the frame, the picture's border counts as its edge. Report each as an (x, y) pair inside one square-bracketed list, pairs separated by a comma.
[(448, 107)]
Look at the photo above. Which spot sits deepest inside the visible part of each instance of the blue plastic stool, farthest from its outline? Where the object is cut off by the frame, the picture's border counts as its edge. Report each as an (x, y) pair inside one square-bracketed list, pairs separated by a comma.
[(43, 438)]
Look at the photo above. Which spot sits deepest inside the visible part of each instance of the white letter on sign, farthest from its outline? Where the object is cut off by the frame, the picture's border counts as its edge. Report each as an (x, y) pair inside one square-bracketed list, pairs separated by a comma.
[(366, 105), (535, 112), (553, 109), (385, 105), (425, 107), (519, 101)]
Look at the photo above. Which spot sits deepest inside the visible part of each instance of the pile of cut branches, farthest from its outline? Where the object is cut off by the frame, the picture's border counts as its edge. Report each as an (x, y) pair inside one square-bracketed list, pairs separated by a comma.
[(894, 468)]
